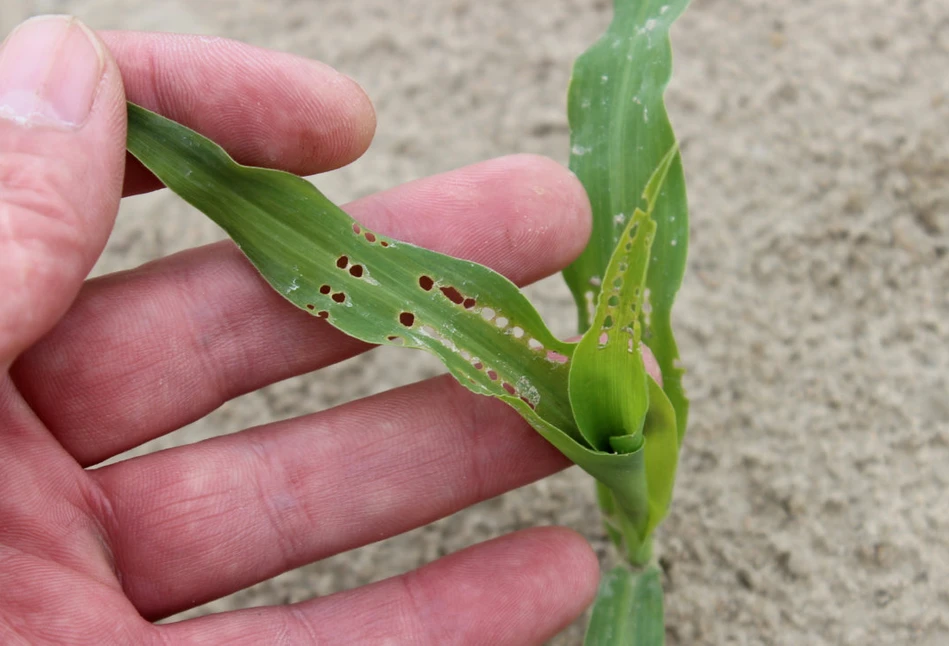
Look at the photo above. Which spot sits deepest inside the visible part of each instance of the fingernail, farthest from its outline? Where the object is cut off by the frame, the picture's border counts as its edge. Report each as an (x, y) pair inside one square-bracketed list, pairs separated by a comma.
[(50, 68)]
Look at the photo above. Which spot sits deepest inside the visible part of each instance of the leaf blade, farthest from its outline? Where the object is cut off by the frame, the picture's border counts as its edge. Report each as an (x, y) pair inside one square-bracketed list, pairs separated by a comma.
[(619, 132), (608, 385), (628, 609), (374, 288)]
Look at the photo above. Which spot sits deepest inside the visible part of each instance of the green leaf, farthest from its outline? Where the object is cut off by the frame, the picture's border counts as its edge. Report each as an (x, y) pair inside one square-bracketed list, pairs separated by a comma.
[(619, 133), (661, 455), (623, 474), (628, 610), (369, 286), (308, 250), (608, 389)]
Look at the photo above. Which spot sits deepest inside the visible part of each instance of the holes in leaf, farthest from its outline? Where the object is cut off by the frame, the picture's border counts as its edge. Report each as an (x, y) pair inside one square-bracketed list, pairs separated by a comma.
[(322, 314), (528, 402), (477, 365), (396, 340), (556, 357), (356, 270), (509, 388), (607, 322), (356, 229), (426, 283), (370, 237), (310, 306), (339, 297), (384, 243), (469, 303), (325, 289), (534, 344), (487, 313), (342, 261), (492, 375), (604, 339), (407, 319), (501, 322), (618, 282), (518, 332), (613, 301), (453, 295)]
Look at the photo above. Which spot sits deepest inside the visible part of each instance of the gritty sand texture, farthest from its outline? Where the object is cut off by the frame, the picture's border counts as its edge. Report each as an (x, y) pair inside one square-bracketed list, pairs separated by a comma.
[(814, 320)]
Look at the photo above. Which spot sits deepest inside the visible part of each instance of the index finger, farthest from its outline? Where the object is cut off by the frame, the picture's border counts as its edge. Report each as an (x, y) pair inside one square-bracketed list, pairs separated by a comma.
[(266, 108)]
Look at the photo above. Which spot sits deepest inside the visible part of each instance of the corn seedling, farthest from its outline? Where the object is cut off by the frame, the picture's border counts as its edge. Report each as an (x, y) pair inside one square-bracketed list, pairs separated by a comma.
[(593, 400)]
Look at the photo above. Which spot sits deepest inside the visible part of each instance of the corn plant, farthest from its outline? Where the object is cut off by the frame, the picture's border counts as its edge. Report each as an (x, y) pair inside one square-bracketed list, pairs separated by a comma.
[(593, 399)]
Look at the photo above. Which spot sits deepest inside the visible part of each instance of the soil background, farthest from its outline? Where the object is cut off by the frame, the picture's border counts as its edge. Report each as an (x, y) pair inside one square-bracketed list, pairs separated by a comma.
[(814, 320)]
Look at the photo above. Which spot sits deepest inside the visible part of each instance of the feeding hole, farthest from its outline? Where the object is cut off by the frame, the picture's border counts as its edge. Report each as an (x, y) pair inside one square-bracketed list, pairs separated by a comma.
[(356, 229), (501, 322), (342, 261), (325, 289), (604, 339), (356, 270), (518, 332), (429, 331), (607, 322), (528, 402), (310, 306), (469, 303), (339, 297), (407, 319), (396, 340), (370, 237), (384, 243), (492, 375), (618, 282), (509, 388), (322, 314), (478, 365), (534, 344), (623, 266), (556, 357), (487, 313), (453, 295), (426, 283), (613, 301)]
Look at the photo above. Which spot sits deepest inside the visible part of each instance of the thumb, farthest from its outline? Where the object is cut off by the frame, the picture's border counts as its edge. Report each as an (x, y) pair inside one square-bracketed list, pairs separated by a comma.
[(62, 159)]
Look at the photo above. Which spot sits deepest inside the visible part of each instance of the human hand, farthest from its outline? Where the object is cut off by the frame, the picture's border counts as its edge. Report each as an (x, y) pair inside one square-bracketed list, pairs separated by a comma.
[(88, 370)]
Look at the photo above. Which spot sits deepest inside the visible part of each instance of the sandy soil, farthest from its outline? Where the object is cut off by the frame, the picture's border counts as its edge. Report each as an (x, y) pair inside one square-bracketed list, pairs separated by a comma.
[(810, 507)]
